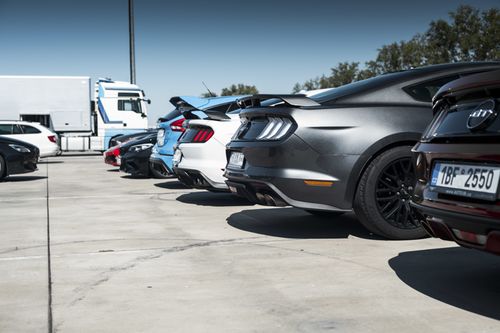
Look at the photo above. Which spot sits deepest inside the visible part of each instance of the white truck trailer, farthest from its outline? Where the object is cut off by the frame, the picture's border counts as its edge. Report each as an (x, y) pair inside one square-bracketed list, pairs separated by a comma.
[(65, 105)]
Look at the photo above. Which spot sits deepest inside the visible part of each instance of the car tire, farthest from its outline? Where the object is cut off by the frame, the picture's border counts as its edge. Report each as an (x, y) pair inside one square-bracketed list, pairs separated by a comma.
[(3, 169), (323, 213), (382, 197)]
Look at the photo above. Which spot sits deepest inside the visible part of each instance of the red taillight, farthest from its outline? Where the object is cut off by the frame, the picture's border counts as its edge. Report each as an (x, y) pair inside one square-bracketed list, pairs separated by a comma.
[(52, 138), (176, 126), (203, 135), (116, 152)]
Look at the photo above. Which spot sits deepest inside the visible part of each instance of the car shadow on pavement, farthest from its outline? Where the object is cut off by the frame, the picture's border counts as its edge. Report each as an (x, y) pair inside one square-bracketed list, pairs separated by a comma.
[(23, 178), (134, 177), (296, 223), (113, 170), (205, 198), (460, 277), (49, 162), (172, 184)]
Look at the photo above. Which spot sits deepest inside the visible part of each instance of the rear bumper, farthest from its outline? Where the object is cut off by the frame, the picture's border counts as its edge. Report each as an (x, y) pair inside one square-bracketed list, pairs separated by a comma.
[(203, 164), (196, 179), (471, 231), (161, 163), (50, 151), (268, 191), (470, 222), (136, 163)]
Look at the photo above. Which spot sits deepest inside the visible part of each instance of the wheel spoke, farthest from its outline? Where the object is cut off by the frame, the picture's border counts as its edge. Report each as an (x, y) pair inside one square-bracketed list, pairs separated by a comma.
[(386, 184), (390, 198), (392, 194), (393, 211)]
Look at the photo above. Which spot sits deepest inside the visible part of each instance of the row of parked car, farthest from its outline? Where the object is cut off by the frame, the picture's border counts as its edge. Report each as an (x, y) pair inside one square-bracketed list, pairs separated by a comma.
[(412, 153), (22, 143)]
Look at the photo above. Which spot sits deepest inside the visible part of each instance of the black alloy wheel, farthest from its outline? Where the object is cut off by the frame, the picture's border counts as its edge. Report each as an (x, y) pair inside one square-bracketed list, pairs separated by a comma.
[(382, 202), (393, 193)]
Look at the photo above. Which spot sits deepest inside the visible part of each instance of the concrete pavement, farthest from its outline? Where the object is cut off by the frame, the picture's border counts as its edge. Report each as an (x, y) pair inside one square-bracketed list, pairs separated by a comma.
[(148, 255)]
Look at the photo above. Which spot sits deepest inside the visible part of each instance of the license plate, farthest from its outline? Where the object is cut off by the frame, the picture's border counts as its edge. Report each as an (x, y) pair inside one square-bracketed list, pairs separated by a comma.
[(467, 180), (236, 160)]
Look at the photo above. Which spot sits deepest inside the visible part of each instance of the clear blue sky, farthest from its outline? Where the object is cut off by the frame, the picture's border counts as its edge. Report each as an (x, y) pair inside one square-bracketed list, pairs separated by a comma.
[(269, 44)]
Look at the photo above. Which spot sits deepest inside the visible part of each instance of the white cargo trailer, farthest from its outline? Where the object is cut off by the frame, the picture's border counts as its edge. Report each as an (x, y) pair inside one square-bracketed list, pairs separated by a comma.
[(65, 105)]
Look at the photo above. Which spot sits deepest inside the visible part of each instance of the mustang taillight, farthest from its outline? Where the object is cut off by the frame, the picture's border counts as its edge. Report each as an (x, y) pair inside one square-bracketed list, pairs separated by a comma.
[(197, 135), (275, 129), (203, 135), (176, 126)]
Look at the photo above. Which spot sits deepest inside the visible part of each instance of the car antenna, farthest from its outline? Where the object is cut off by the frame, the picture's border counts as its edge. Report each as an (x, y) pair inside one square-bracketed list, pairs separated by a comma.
[(211, 93)]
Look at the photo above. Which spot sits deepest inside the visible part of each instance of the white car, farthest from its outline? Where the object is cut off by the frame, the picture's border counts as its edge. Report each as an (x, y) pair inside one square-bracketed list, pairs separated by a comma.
[(200, 156), (34, 133)]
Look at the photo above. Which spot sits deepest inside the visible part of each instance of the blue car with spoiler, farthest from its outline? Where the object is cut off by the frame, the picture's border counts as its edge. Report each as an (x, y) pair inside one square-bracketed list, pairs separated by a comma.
[(170, 127)]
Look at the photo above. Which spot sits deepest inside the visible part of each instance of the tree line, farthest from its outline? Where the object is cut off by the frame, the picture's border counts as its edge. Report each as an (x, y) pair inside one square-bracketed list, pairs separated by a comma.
[(471, 35)]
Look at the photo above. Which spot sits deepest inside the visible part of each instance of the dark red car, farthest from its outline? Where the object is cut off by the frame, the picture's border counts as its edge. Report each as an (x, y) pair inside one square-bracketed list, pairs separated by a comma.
[(458, 164)]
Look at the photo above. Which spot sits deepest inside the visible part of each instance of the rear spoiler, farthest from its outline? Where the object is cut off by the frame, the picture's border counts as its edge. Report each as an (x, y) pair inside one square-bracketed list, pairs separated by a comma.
[(297, 100), (209, 114)]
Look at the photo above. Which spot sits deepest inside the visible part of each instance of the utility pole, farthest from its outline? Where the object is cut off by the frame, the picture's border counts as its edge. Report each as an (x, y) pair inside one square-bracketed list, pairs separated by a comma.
[(131, 39)]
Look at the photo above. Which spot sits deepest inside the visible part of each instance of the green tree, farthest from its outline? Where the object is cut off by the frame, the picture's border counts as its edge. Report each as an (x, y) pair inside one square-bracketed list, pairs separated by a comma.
[(207, 94), (440, 40), (470, 35), (239, 89), (489, 36)]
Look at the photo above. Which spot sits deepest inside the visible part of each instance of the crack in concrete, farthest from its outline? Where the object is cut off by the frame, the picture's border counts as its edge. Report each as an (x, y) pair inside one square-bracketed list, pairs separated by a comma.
[(319, 255), (10, 250), (106, 275)]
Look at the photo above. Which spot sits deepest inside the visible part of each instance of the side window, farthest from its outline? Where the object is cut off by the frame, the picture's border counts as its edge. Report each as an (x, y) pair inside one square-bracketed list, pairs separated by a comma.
[(7, 129), (424, 92), (129, 105), (30, 129)]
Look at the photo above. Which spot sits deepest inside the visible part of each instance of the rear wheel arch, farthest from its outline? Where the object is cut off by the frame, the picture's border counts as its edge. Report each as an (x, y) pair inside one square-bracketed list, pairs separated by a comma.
[(397, 140), (3, 169)]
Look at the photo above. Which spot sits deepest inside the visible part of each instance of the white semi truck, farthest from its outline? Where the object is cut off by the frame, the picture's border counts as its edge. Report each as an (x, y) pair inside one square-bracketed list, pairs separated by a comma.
[(65, 105)]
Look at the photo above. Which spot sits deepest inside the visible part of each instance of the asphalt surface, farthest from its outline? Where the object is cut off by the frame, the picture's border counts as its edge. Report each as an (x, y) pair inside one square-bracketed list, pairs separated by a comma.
[(148, 255)]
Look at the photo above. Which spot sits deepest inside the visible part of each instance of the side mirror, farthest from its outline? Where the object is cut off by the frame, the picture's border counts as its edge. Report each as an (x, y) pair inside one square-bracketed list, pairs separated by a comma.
[(148, 101), (143, 115)]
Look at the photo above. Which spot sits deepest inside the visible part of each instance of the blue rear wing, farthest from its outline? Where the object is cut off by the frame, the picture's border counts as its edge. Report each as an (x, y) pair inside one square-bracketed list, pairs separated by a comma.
[(214, 108)]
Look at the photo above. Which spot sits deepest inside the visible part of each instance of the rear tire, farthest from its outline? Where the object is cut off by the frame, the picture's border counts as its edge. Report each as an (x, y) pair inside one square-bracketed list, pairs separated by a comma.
[(3, 169), (383, 194), (323, 213)]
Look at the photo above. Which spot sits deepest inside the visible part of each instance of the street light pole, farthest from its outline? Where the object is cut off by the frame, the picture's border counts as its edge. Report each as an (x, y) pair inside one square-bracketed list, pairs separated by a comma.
[(131, 39)]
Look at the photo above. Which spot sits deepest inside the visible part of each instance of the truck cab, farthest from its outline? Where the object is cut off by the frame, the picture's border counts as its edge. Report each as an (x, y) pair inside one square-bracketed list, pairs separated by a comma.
[(121, 108)]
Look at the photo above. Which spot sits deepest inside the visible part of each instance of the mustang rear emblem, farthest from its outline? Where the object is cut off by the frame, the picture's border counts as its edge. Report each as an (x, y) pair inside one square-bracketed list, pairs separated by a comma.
[(482, 116)]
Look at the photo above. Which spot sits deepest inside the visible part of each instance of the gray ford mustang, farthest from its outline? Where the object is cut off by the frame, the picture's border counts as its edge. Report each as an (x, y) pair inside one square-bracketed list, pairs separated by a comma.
[(348, 148)]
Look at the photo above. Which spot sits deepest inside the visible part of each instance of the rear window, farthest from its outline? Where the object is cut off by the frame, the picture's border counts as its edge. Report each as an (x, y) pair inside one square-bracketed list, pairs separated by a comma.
[(7, 129), (169, 116), (424, 92), (356, 87), (30, 129)]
